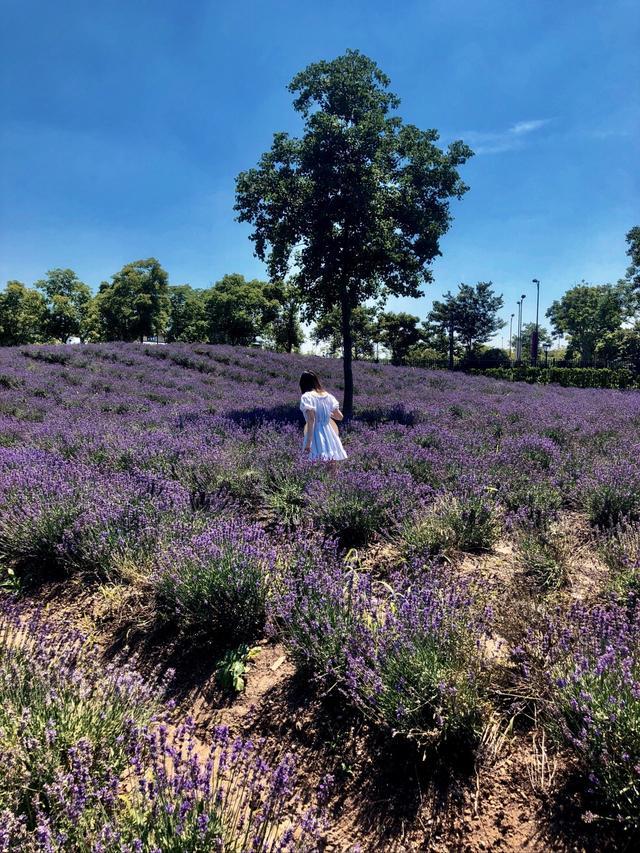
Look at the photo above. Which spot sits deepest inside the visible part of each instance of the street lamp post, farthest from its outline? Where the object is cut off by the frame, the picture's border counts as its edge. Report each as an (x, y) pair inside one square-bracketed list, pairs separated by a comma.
[(546, 347), (535, 337), (519, 349), (510, 335)]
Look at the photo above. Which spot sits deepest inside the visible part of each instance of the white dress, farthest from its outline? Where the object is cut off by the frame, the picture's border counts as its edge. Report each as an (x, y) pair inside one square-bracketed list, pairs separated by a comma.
[(325, 442)]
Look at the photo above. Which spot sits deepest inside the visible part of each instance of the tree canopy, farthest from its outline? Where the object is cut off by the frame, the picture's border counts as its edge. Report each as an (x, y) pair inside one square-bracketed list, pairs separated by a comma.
[(22, 315), (527, 337), (586, 313), (136, 303), (238, 311), (67, 304), (187, 314), (357, 205), (399, 333), (364, 331), (285, 331), (470, 317), (633, 251)]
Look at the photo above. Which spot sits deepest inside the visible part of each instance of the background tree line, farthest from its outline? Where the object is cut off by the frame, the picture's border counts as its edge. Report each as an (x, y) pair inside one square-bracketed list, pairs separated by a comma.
[(600, 323), (140, 303)]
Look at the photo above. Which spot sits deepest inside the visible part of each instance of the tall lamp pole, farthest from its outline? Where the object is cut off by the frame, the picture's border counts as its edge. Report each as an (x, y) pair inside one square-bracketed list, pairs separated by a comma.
[(510, 334), (535, 336), (519, 350)]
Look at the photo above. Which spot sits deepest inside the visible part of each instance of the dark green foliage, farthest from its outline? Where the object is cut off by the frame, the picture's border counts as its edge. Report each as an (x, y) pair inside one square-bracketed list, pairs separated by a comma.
[(187, 321), (232, 667), (136, 303), (470, 318), (238, 311), (22, 315), (399, 333), (68, 301), (364, 331), (578, 377), (586, 313)]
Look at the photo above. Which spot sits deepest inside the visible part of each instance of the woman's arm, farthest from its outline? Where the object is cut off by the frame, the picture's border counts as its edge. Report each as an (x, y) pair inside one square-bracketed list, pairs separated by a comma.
[(311, 420), (337, 415)]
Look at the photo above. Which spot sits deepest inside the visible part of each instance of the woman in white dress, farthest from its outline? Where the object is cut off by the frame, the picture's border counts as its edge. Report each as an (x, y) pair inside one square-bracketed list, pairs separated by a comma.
[(321, 411)]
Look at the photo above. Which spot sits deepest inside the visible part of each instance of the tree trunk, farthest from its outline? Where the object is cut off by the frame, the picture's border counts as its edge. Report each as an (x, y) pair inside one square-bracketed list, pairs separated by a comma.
[(451, 345), (347, 355)]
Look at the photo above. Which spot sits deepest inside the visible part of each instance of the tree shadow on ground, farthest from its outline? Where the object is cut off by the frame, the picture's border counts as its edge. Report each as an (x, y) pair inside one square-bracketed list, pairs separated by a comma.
[(380, 783), (284, 414), (572, 821), (259, 415)]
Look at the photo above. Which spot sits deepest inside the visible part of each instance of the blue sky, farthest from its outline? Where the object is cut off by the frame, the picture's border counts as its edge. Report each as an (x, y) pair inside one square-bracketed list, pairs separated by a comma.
[(124, 125)]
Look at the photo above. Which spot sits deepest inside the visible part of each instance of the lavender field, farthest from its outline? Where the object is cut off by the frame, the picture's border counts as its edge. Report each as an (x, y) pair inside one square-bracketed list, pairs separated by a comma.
[(456, 607)]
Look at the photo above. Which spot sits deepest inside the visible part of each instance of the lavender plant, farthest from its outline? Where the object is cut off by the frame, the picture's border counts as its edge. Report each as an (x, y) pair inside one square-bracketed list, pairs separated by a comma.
[(360, 505), (613, 493), (621, 554), (542, 556), (213, 587), (586, 666), (85, 767), (57, 700), (407, 656), (452, 523)]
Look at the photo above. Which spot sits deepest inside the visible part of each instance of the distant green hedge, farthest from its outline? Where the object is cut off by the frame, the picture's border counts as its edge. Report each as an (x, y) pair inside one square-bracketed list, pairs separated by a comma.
[(579, 377)]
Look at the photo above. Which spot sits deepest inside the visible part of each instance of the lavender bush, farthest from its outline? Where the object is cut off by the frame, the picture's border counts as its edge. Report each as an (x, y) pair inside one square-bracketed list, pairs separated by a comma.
[(84, 766), (58, 706), (408, 656), (357, 506), (613, 493), (213, 586), (467, 522), (586, 664), (621, 553), (542, 556)]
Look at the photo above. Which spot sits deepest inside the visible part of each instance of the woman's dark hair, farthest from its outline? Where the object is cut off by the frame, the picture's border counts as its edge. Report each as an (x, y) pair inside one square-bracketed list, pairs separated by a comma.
[(310, 382)]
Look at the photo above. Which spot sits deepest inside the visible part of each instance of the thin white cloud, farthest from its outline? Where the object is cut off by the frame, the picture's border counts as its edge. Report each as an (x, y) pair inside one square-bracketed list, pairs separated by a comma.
[(528, 126), (506, 140)]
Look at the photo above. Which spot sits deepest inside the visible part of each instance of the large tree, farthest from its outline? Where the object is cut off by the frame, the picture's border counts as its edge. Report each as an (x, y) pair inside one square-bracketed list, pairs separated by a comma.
[(399, 333), (621, 347), (187, 321), (285, 333), (586, 314), (134, 304), (23, 314), (357, 204), (364, 331), (68, 301), (527, 339), (469, 318), (239, 312)]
